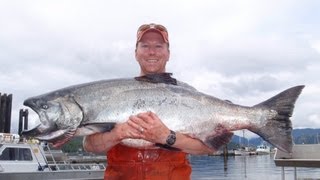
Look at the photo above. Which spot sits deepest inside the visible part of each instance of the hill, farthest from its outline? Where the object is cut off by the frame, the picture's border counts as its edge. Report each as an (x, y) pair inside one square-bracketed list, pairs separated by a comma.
[(300, 136)]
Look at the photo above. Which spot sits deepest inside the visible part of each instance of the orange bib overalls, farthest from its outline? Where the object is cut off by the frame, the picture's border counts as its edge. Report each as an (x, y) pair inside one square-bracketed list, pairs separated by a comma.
[(146, 164)]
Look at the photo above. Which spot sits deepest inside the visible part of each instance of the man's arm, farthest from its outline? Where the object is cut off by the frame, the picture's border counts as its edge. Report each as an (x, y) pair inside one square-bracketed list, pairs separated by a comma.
[(102, 142), (155, 131)]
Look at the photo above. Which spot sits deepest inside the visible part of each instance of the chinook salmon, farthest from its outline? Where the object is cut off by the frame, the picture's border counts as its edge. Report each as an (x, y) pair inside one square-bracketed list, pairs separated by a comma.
[(97, 106)]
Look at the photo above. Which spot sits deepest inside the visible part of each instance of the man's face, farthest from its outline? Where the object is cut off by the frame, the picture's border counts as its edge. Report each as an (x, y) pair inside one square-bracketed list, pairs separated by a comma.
[(152, 53)]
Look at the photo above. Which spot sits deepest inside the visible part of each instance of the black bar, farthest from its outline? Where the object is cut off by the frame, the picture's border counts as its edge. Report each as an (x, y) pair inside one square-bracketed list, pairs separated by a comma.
[(0, 103), (5, 112), (7, 125), (1, 118), (25, 114), (20, 121), (2, 112)]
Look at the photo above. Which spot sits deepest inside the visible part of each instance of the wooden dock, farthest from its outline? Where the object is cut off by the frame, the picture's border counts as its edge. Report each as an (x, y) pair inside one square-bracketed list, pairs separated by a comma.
[(303, 155)]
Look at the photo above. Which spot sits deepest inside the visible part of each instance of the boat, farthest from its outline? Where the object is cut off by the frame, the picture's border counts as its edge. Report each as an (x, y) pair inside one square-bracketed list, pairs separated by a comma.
[(244, 151), (263, 149), (34, 160)]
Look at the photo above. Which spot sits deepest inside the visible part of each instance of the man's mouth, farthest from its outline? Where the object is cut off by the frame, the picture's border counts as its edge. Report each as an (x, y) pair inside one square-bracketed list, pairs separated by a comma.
[(152, 60)]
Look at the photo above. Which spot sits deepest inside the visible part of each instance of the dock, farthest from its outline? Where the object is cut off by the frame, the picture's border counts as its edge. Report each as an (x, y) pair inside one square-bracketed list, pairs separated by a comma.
[(303, 155)]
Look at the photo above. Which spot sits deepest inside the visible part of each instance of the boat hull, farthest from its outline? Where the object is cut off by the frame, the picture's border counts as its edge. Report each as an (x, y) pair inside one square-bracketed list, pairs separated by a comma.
[(99, 174)]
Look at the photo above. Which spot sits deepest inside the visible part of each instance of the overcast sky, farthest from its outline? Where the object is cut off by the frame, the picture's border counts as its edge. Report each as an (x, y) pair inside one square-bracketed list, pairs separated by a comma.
[(244, 51)]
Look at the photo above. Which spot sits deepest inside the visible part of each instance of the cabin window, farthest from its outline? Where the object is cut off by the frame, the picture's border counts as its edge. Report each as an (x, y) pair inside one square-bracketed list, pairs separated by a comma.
[(16, 154)]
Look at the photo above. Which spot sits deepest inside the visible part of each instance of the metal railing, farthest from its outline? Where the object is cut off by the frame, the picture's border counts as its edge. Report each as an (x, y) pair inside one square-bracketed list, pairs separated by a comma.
[(64, 166)]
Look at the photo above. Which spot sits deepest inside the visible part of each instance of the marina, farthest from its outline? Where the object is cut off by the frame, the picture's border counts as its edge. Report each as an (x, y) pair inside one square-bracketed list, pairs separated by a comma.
[(33, 160)]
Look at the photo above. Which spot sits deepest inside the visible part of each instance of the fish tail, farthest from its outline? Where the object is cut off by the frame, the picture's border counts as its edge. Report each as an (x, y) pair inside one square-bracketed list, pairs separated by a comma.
[(278, 129)]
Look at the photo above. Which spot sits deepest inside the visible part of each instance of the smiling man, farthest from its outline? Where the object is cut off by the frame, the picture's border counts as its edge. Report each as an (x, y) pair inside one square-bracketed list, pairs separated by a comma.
[(152, 53)]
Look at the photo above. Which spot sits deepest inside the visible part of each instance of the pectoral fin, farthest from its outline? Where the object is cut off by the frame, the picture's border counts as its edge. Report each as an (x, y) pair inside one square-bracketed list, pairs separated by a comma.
[(93, 128), (218, 140)]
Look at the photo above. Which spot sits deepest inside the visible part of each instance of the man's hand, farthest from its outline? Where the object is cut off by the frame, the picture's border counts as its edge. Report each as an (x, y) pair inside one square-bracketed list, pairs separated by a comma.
[(124, 130), (150, 127)]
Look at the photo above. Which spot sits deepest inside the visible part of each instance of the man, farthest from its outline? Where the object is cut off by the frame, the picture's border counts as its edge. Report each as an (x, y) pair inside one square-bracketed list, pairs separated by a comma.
[(152, 53)]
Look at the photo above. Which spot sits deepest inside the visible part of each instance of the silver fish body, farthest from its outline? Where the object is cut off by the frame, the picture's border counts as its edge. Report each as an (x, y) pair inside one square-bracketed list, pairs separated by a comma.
[(95, 107)]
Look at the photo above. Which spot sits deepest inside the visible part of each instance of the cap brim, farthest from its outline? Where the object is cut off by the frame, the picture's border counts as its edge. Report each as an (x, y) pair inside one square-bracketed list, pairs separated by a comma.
[(164, 36)]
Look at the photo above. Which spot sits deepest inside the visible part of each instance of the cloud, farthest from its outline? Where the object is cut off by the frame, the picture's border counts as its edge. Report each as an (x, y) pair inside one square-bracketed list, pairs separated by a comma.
[(315, 119), (244, 51)]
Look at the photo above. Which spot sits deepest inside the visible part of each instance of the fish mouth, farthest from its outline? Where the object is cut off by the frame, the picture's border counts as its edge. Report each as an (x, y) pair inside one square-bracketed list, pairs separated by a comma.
[(33, 132), (39, 130), (53, 135), (31, 103)]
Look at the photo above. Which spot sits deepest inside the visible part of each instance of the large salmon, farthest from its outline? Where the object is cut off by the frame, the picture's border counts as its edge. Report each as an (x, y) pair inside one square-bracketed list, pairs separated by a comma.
[(95, 107)]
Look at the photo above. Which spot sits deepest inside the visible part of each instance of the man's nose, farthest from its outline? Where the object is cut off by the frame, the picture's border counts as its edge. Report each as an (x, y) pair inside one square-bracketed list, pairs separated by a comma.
[(152, 50)]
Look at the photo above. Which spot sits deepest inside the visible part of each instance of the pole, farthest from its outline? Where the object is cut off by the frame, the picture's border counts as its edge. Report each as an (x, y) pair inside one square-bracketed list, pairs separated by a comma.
[(7, 125), (2, 111)]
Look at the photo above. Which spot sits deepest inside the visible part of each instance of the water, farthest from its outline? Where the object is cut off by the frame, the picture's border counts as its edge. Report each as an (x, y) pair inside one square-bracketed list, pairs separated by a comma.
[(245, 167)]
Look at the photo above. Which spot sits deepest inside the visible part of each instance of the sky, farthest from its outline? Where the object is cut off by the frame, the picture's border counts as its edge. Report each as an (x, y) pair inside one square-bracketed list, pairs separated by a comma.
[(245, 51)]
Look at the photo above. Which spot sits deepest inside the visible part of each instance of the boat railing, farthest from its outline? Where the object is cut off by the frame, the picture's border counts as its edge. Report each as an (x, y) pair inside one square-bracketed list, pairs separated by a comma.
[(54, 165), (76, 167), (50, 153)]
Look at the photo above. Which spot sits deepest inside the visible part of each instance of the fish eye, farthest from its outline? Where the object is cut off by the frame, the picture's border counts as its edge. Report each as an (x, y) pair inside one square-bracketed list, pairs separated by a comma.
[(44, 106)]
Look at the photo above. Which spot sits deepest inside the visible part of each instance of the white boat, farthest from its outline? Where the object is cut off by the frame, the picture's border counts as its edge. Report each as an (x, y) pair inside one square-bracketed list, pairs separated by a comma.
[(29, 160), (263, 149), (244, 151)]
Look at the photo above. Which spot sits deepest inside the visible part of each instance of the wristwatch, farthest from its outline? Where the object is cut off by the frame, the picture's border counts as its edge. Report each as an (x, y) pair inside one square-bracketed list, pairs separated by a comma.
[(171, 139)]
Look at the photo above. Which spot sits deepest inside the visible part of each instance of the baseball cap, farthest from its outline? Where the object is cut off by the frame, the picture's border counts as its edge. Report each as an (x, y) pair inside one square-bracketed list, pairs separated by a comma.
[(155, 27)]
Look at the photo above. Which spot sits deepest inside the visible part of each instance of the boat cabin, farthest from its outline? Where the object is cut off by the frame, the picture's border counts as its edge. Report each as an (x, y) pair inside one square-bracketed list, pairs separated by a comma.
[(20, 157)]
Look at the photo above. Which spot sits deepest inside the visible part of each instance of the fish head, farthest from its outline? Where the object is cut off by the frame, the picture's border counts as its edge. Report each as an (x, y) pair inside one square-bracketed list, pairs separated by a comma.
[(59, 115)]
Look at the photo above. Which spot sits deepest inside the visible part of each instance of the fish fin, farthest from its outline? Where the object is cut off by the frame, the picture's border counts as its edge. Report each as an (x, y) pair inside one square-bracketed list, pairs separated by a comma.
[(164, 146), (58, 143), (58, 138), (158, 78), (62, 136), (92, 128), (220, 136), (278, 129)]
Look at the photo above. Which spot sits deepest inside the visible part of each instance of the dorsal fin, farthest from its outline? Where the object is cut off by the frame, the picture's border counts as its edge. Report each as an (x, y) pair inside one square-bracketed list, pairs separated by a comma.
[(158, 78)]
